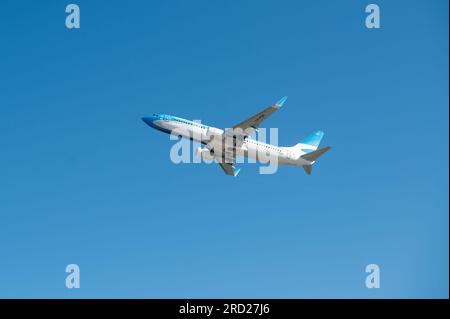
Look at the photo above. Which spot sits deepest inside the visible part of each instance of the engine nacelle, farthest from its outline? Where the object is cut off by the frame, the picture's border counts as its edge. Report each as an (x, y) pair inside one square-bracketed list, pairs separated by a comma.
[(212, 131), (204, 153)]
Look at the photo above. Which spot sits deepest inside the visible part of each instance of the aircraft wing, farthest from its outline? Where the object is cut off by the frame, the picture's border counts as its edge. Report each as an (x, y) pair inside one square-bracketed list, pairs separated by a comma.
[(249, 126), (229, 169), (234, 137)]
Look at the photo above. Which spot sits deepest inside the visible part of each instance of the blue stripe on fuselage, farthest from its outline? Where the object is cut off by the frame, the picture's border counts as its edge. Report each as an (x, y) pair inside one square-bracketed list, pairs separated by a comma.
[(150, 121)]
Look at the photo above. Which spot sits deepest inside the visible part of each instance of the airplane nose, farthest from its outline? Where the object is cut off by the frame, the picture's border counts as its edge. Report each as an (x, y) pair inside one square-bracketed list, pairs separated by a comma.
[(147, 120)]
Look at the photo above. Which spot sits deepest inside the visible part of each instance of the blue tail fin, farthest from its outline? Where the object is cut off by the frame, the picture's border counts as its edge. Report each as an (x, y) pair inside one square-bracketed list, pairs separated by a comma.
[(313, 139)]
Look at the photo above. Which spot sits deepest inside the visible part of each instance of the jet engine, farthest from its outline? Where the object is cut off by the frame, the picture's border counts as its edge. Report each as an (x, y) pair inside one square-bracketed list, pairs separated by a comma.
[(204, 153), (212, 131)]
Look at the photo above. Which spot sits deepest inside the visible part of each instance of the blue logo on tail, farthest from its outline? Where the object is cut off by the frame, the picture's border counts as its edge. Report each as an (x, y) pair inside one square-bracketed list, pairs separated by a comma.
[(313, 139)]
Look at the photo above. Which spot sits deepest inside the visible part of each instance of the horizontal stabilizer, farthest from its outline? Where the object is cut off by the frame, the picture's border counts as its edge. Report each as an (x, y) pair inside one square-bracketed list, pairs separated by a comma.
[(312, 156), (307, 169)]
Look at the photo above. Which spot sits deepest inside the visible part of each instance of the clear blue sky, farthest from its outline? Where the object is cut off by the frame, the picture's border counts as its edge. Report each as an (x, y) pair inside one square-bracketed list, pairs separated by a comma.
[(83, 180)]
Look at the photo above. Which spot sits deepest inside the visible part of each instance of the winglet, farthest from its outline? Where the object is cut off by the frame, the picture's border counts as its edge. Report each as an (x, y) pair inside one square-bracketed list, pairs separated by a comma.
[(281, 102)]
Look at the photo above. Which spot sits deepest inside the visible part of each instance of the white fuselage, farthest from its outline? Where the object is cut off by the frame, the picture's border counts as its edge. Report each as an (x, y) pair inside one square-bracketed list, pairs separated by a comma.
[(250, 148)]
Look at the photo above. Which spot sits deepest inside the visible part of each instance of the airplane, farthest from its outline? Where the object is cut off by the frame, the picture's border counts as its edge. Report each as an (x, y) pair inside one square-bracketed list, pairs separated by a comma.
[(224, 146)]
